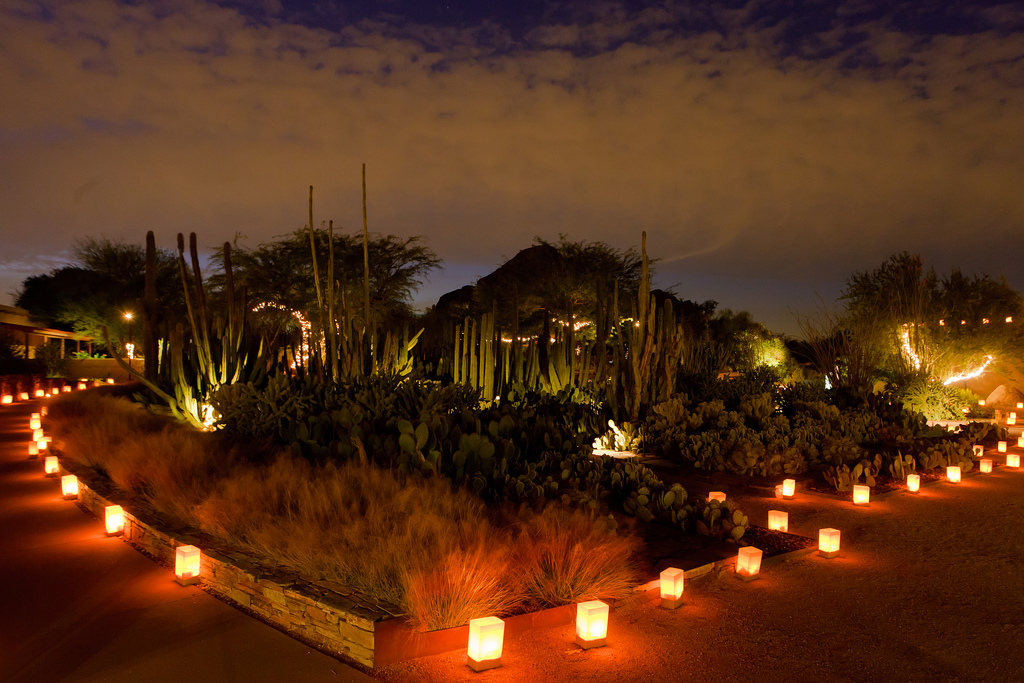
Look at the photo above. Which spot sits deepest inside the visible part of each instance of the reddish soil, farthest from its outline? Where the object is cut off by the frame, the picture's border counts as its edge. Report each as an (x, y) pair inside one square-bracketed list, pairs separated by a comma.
[(927, 588)]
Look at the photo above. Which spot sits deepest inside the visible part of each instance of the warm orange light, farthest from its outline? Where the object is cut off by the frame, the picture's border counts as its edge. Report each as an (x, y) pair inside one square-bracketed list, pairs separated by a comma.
[(1009, 318), (913, 483), (186, 565), (778, 520), (591, 624), (6, 399), (788, 488), (1012, 460), (978, 451), (23, 396), (986, 465), (828, 542), (716, 495), (81, 385), (672, 588), (748, 563), (37, 434), (1020, 405), (1012, 420), (1020, 442), (44, 410), (40, 393), (981, 402), (1013, 415), (953, 474), (54, 391), (1001, 447), (113, 517), (50, 466), (66, 389), (861, 494), (33, 449), (69, 486), (42, 444), (485, 641), (35, 423), (110, 380)]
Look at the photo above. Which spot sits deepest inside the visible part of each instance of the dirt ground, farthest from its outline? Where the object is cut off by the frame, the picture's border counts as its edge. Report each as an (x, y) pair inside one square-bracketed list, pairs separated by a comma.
[(928, 587)]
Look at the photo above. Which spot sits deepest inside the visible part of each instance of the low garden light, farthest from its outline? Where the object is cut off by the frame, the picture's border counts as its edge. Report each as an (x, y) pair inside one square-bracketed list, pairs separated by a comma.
[(748, 563), (110, 380), (186, 565), (981, 402), (113, 518), (861, 494), (42, 444), (69, 486), (50, 466), (43, 411), (716, 495), (985, 465), (953, 474), (591, 624), (35, 423), (672, 588), (1020, 442), (81, 385), (778, 520), (40, 393), (6, 399), (828, 543), (1012, 460), (1020, 405), (913, 483), (1001, 447), (33, 449), (37, 434), (23, 396), (978, 450), (66, 389), (788, 488), (486, 637), (1012, 420)]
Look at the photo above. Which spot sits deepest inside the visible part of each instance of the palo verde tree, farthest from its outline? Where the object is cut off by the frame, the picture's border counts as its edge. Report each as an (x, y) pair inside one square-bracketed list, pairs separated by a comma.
[(947, 327)]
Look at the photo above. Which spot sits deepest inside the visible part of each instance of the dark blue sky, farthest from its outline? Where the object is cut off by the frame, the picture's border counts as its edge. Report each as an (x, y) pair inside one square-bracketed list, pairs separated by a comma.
[(769, 149)]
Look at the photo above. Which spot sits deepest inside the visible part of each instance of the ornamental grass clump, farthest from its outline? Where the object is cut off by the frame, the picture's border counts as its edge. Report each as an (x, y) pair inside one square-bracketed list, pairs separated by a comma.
[(431, 548)]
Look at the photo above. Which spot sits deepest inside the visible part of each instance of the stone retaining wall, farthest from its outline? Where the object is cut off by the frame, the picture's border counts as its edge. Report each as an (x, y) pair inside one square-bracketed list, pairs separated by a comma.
[(330, 616)]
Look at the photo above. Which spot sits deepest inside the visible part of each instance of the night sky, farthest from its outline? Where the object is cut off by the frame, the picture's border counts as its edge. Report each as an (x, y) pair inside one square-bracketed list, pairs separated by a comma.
[(769, 149)]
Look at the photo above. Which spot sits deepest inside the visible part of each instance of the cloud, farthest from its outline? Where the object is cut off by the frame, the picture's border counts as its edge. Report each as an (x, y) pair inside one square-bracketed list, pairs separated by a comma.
[(749, 146)]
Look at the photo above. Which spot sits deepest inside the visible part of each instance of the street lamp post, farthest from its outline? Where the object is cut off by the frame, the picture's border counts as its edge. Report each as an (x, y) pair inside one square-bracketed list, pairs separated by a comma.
[(131, 347)]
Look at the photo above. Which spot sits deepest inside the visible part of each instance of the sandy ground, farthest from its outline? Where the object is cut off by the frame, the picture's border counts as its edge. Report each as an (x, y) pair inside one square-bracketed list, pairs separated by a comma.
[(927, 588)]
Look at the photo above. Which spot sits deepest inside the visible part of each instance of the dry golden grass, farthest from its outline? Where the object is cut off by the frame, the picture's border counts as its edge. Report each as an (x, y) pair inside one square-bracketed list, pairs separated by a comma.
[(433, 550)]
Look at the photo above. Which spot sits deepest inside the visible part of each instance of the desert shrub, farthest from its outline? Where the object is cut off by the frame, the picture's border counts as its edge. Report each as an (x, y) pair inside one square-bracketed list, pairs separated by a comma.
[(930, 397), (430, 547)]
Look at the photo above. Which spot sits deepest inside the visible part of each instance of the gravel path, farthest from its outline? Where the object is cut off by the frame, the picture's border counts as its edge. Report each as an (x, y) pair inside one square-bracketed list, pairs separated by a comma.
[(927, 588)]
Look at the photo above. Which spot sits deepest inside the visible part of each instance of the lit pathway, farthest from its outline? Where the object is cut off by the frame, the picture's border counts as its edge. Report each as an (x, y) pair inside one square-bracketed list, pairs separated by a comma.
[(78, 606)]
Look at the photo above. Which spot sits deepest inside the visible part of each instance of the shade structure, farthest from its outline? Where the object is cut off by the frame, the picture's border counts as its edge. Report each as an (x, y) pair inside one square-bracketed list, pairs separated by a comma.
[(113, 519), (788, 488), (748, 563), (953, 474), (716, 495), (828, 543), (591, 624), (778, 520), (913, 483), (50, 466), (186, 564), (985, 465), (486, 637), (69, 486), (861, 494), (672, 584)]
